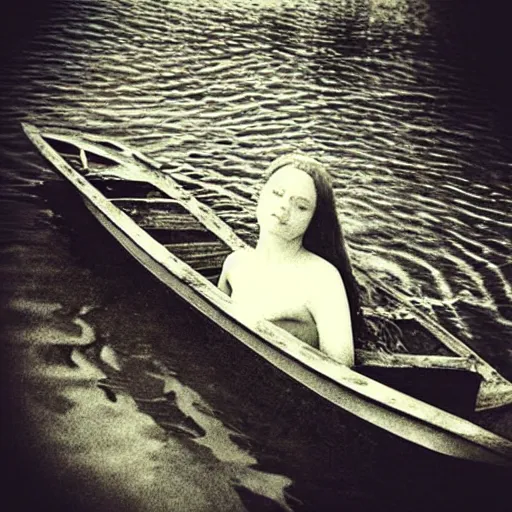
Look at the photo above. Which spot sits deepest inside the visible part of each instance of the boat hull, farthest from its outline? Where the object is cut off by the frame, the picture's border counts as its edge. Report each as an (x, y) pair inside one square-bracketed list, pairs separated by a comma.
[(354, 392)]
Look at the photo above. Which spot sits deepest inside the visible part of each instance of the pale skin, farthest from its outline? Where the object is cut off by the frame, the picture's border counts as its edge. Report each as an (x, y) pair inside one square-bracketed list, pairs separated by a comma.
[(280, 281)]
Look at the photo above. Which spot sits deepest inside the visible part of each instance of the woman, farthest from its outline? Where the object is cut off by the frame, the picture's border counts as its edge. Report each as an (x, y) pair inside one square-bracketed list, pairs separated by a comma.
[(293, 277)]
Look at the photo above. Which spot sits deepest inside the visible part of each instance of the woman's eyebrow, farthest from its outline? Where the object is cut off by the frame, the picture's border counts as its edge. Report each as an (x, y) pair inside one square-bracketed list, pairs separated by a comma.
[(302, 198), (282, 187)]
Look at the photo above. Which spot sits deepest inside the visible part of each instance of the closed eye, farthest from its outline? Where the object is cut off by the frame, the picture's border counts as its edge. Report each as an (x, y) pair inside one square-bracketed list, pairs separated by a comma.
[(278, 192), (302, 207)]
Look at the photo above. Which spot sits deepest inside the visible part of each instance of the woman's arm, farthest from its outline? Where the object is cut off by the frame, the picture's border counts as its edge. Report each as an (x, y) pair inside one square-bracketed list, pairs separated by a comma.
[(330, 309)]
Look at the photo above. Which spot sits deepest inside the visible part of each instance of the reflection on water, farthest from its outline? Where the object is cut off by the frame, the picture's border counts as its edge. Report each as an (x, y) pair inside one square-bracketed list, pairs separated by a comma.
[(121, 396), (97, 433)]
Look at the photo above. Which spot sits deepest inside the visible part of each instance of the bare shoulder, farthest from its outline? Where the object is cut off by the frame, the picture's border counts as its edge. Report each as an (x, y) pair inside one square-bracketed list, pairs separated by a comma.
[(324, 281), (235, 260), (237, 257), (320, 269), (232, 262)]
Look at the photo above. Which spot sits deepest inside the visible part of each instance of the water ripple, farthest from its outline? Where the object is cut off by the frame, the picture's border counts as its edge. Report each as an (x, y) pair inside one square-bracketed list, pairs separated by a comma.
[(216, 89)]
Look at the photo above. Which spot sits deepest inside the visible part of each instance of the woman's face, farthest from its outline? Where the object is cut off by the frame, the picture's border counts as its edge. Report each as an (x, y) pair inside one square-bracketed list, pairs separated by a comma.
[(287, 203)]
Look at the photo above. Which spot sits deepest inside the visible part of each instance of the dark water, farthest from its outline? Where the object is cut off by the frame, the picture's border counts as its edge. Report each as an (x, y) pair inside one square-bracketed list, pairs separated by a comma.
[(122, 398)]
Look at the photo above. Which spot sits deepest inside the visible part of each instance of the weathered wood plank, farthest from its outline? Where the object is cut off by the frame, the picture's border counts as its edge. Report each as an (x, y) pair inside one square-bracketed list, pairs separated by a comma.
[(156, 213), (150, 203), (370, 358), (167, 221), (200, 256), (199, 249)]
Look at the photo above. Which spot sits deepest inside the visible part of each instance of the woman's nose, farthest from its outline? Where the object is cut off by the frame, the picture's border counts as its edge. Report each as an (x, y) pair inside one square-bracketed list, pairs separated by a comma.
[(284, 206), (283, 201)]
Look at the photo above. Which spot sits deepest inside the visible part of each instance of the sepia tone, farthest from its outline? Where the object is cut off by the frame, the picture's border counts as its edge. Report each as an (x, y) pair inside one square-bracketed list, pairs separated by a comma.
[(133, 390)]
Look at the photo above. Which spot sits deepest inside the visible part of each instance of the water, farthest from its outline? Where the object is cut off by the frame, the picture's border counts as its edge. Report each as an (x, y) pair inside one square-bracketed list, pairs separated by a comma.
[(124, 398)]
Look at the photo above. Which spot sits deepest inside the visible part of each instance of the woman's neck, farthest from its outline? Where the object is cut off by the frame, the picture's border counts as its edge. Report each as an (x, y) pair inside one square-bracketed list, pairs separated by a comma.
[(274, 249)]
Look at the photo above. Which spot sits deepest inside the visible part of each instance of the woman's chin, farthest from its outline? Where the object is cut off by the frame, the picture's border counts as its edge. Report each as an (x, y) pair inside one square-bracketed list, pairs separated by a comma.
[(278, 233)]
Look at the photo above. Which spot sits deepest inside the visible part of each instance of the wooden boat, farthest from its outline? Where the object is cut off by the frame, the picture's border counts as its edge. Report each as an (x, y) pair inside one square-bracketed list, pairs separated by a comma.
[(183, 242)]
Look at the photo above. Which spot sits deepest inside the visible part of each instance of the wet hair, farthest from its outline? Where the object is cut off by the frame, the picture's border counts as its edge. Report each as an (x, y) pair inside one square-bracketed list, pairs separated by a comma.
[(324, 236)]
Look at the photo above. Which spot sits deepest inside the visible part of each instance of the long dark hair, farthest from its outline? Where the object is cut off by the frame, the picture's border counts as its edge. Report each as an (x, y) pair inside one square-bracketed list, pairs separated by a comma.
[(324, 236)]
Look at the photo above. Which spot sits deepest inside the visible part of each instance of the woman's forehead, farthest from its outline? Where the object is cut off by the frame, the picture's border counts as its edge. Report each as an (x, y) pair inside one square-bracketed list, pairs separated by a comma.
[(294, 178)]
